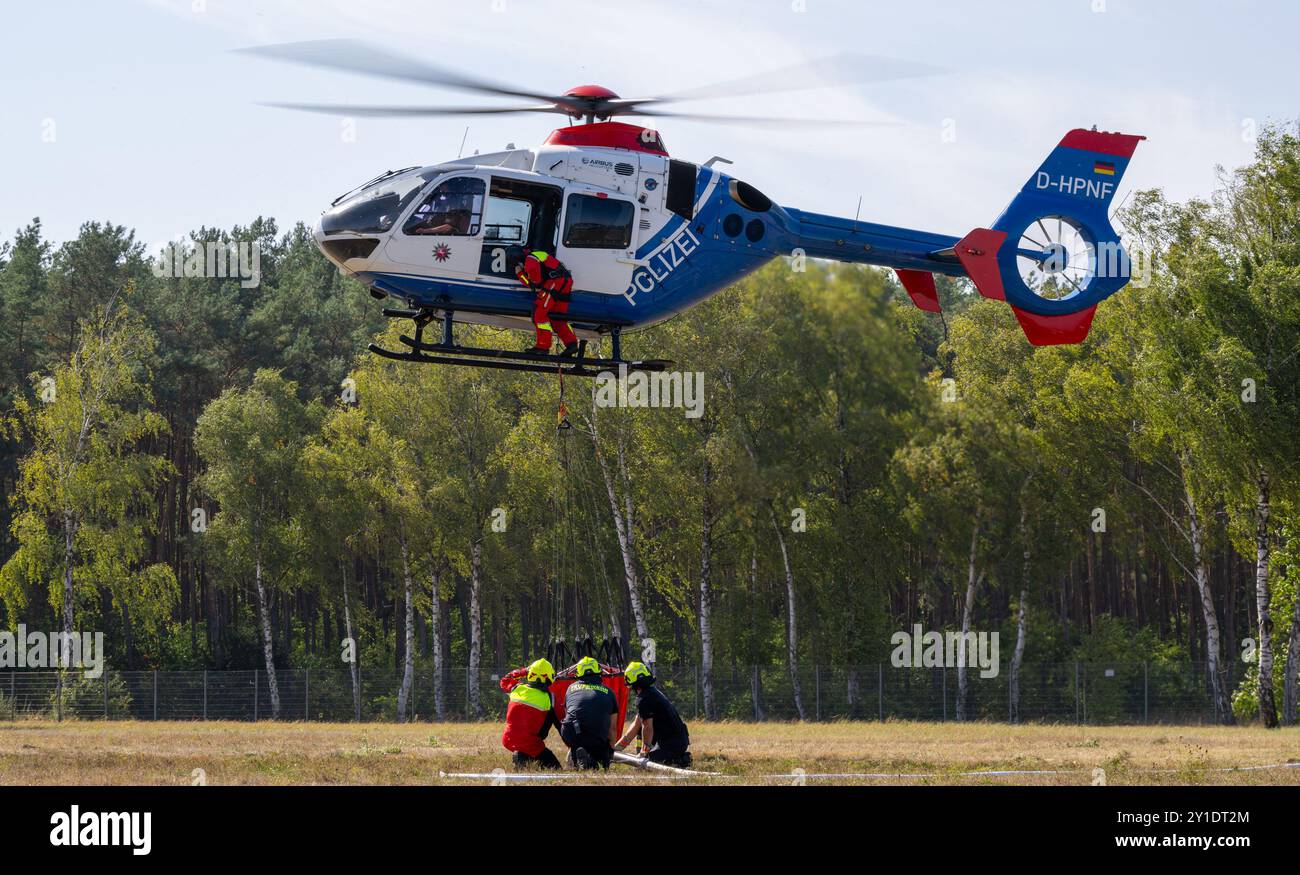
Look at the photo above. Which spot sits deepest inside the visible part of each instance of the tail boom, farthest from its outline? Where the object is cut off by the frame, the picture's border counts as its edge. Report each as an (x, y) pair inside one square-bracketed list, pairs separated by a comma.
[(1017, 260)]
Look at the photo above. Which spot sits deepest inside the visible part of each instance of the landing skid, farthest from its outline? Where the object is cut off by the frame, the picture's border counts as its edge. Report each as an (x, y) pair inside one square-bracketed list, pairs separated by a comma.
[(447, 352)]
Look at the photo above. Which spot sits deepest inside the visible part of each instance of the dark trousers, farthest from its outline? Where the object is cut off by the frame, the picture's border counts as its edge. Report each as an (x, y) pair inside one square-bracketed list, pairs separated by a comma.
[(544, 760), (676, 755), (587, 750)]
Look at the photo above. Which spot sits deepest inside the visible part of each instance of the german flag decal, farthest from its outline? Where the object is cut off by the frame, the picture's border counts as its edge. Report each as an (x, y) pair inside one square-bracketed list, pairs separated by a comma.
[(1104, 167)]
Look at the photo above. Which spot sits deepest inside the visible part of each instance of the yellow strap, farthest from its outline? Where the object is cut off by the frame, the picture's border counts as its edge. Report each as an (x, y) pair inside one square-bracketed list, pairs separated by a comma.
[(545, 326)]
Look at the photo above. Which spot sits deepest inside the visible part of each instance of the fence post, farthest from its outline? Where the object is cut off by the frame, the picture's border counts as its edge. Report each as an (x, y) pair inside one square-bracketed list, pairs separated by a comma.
[(306, 694), (880, 688), (205, 694), (1076, 692), (13, 697), (254, 695), (943, 673), (105, 695), (695, 690), (817, 687), (58, 697), (1146, 694), (155, 694)]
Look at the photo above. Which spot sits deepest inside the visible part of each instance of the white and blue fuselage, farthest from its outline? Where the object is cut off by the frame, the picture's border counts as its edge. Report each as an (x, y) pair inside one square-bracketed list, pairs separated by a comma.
[(675, 234), (647, 236)]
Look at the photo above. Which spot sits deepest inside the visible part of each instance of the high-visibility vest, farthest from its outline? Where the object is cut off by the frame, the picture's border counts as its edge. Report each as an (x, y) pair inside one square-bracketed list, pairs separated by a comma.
[(531, 696)]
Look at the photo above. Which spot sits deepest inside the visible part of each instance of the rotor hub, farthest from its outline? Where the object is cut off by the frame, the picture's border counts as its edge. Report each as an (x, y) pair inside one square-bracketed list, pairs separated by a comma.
[(591, 92)]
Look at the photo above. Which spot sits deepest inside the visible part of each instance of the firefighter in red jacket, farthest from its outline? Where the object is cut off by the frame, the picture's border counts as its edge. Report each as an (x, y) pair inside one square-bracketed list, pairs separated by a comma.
[(530, 716), (550, 282)]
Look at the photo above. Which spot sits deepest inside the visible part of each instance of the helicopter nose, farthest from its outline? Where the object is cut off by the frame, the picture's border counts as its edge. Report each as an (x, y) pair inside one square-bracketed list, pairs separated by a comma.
[(349, 253)]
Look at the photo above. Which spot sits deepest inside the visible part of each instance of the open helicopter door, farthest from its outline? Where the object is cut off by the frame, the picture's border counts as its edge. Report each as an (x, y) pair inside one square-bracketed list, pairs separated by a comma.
[(444, 230), (518, 213), (598, 239)]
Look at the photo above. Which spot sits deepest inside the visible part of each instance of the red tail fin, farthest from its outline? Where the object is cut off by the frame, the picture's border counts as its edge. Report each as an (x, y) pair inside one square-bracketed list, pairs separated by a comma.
[(920, 286)]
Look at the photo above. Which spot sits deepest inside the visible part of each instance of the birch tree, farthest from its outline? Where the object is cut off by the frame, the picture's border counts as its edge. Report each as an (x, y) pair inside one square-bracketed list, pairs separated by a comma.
[(82, 528), (251, 440)]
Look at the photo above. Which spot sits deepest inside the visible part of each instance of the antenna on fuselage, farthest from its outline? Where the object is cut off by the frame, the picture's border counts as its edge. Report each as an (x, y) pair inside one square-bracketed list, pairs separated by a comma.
[(462, 142)]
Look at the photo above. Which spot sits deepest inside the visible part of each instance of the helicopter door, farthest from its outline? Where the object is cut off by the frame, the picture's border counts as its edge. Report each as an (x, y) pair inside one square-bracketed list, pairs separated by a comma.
[(597, 238), (518, 213), (442, 235)]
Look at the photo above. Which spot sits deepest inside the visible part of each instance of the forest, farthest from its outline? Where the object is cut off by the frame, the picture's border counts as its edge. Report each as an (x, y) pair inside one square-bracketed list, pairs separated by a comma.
[(217, 475)]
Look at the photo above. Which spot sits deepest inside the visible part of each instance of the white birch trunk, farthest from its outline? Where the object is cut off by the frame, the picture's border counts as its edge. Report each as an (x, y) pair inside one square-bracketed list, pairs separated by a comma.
[(475, 626), (408, 662), (272, 687), (435, 619), (967, 611), (706, 598), (1017, 656), (1267, 707), (354, 668), (623, 528), (64, 654), (1213, 665), (791, 627)]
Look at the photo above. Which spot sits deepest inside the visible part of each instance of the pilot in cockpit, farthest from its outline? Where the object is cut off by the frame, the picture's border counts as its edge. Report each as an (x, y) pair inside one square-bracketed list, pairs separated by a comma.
[(454, 223)]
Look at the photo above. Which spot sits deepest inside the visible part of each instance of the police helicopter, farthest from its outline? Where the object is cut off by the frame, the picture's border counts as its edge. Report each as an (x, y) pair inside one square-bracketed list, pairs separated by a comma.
[(647, 235)]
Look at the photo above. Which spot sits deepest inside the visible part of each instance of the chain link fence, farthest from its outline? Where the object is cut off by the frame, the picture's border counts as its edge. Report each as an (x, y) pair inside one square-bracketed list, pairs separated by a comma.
[(1125, 693)]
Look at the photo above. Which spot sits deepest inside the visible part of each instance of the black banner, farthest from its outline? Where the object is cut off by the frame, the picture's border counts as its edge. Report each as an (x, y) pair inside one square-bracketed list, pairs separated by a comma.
[(989, 824)]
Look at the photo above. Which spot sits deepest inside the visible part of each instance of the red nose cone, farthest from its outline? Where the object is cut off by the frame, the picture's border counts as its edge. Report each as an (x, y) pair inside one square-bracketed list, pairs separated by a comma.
[(596, 91)]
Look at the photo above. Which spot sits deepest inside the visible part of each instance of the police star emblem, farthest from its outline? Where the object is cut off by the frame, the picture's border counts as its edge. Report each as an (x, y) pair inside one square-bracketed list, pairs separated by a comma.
[(442, 252)]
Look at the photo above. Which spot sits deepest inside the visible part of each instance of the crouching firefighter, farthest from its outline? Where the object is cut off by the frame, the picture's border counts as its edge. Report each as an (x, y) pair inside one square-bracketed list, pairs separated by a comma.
[(664, 738), (551, 283), (590, 722), (529, 717)]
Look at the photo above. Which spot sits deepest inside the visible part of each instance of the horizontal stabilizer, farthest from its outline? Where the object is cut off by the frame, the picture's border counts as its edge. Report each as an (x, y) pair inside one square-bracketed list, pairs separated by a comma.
[(978, 254), (920, 287)]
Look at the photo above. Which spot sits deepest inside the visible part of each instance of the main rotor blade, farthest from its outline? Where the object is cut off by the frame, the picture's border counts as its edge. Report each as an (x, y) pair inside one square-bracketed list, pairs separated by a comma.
[(358, 57), (760, 119), (841, 69), (411, 111)]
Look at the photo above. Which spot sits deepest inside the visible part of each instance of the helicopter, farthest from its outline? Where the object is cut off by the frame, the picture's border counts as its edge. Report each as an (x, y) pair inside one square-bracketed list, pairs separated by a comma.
[(647, 235)]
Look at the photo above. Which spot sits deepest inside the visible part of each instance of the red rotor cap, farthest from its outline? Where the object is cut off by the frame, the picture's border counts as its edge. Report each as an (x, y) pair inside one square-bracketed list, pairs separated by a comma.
[(599, 92)]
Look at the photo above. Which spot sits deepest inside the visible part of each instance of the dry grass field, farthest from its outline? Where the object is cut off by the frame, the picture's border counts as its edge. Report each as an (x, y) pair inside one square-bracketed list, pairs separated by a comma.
[(88, 752)]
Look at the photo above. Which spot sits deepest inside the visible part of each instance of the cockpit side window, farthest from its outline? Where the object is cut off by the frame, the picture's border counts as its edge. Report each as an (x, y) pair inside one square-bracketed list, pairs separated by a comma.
[(453, 209)]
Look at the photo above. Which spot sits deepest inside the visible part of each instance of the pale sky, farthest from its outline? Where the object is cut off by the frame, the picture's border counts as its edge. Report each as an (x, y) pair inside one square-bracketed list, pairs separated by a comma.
[(136, 111)]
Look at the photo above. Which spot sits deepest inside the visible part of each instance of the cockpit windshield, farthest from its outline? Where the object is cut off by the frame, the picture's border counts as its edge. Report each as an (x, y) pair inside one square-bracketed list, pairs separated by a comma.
[(369, 183), (374, 208)]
